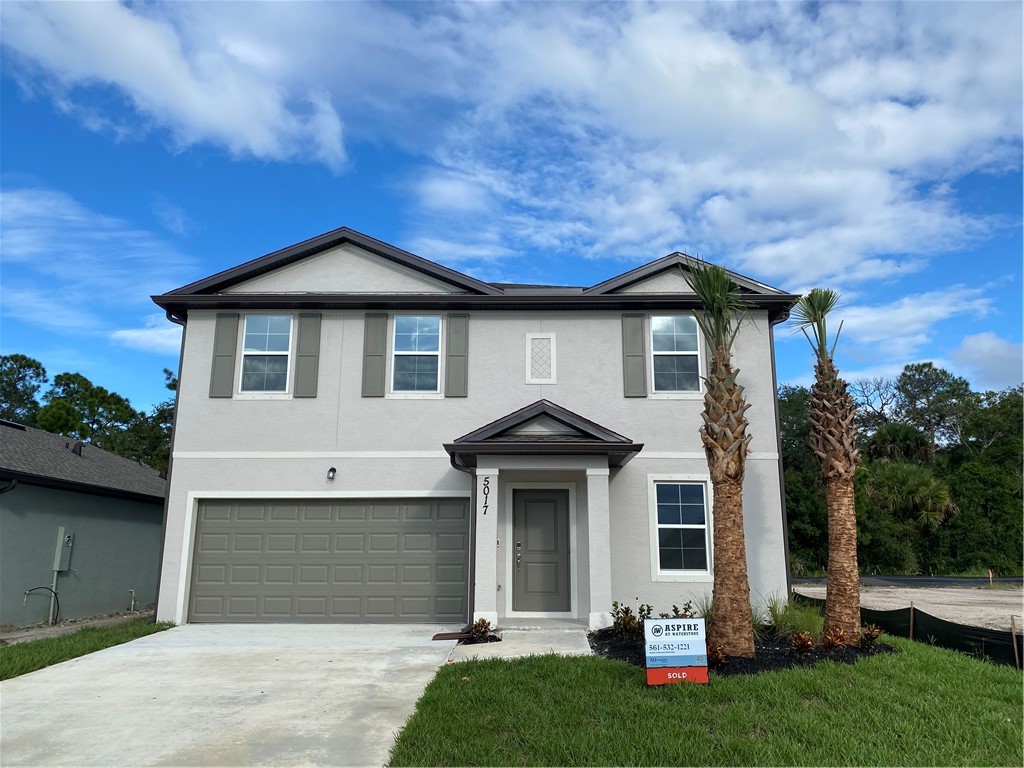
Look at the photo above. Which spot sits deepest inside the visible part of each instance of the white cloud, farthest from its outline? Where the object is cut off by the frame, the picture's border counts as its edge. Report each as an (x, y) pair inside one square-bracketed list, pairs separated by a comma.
[(173, 217), (989, 361), (72, 269), (198, 91), (158, 335)]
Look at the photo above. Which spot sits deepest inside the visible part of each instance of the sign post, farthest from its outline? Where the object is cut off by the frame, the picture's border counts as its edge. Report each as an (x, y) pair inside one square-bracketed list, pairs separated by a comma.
[(676, 651)]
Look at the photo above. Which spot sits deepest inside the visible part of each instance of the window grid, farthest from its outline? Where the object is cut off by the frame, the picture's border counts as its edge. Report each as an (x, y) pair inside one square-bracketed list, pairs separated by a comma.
[(266, 349), (416, 354), (675, 353), (681, 510)]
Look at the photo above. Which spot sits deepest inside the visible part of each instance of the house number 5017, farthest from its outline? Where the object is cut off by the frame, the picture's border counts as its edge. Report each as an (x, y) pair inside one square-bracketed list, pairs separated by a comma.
[(486, 490)]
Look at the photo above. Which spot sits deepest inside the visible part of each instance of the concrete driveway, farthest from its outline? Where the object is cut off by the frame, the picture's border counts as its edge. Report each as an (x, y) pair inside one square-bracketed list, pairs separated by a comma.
[(225, 695)]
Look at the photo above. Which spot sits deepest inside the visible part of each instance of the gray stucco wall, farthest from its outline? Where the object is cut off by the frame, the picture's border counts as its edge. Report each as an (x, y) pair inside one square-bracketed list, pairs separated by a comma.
[(116, 549), (285, 446)]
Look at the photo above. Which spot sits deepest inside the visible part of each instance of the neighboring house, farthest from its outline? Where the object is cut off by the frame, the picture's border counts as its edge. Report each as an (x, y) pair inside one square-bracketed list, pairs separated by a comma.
[(78, 520), (364, 435)]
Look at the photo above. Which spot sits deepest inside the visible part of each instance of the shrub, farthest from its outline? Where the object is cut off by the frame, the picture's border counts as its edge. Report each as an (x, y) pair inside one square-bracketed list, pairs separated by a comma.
[(868, 639), (716, 654), (801, 642), (686, 612), (832, 638), (703, 607), (625, 623), (480, 630)]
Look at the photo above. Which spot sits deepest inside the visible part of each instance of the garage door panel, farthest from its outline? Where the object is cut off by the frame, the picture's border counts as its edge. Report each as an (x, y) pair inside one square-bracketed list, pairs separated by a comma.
[(326, 560)]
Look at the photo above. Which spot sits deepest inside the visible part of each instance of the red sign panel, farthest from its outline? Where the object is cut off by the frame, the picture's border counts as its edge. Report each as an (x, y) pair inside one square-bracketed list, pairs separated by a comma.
[(666, 675)]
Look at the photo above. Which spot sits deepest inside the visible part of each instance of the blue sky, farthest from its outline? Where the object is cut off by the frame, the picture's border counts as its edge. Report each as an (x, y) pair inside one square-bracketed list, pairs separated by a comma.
[(874, 149)]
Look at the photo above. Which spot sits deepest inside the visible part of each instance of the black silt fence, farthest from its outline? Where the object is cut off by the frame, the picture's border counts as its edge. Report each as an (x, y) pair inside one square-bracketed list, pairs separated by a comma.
[(914, 623)]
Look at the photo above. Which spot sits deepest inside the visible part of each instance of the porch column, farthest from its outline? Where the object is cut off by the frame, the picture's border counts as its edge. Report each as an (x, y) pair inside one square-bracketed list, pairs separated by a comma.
[(599, 525), (485, 585)]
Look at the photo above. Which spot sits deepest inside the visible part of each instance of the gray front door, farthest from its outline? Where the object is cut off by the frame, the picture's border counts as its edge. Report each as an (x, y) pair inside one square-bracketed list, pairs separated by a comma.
[(540, 548)]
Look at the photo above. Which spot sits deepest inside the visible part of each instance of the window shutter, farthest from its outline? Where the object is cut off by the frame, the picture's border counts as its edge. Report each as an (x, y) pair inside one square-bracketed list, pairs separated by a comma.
[(456, 369), (225, 343), (634, 359), (375, 345), (307, 356)]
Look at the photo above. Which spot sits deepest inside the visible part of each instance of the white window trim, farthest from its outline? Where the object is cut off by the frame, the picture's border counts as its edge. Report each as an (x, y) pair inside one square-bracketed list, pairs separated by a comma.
[(241, 394), (696, 394), (657, 574), (529, 358), (392, 393)]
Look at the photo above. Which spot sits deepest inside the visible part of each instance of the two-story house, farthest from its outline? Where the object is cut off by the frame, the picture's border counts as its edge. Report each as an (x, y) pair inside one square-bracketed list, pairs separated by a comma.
[(365, 435)]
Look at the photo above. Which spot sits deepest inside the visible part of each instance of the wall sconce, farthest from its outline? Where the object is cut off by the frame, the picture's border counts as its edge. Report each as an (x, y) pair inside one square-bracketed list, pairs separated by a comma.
[(331, 473)]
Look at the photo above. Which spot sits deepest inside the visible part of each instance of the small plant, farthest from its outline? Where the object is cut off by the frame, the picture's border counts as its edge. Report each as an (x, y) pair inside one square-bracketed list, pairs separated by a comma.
[(481, 630), (702, 606), (625, 623), (868, 639), (801, 642), (832, 638), (716, 654)]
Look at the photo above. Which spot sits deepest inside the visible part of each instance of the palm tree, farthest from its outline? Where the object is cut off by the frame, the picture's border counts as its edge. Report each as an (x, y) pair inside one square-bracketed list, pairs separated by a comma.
[(834, 442), (726, 442)]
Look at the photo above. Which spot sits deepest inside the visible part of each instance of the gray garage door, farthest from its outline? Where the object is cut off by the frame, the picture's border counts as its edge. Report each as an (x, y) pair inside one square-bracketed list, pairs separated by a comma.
[(331, 560)]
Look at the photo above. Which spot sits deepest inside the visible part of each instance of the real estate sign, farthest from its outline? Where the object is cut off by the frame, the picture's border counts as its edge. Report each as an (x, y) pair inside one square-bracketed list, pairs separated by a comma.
[(676, 651)]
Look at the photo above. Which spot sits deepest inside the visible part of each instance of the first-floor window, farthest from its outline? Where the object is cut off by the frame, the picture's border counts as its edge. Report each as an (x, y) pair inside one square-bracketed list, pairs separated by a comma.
[(416, 354), (266, 346), (682, 526)]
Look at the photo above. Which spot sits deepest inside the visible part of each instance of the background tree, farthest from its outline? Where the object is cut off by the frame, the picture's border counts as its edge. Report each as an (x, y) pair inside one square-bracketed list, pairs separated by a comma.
[(930, 399), (806, 511), (876, 400), (726, 442), (831, 414), (21, 378)]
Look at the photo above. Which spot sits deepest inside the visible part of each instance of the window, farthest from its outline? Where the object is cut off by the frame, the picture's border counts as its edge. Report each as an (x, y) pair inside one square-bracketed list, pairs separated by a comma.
[(415, 365), (540, 358), (680, 528), (675, 345), (266, 350)]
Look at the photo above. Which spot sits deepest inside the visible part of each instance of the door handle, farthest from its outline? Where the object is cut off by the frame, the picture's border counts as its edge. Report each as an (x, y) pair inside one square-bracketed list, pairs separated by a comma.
[(519, 561)]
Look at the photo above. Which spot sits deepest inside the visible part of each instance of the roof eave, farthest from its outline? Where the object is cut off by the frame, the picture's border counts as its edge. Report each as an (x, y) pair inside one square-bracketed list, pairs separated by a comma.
[(43, 481)]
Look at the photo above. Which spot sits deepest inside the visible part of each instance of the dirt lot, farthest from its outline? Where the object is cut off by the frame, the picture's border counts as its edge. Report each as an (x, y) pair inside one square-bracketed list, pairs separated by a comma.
[(990, 608)]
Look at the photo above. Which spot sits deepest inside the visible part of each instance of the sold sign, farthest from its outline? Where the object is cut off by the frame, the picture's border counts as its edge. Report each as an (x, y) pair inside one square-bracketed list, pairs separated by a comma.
[(676, 651)]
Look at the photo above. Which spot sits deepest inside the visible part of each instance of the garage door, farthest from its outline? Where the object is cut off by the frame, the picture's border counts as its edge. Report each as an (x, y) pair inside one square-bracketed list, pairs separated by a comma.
[(331, 560)]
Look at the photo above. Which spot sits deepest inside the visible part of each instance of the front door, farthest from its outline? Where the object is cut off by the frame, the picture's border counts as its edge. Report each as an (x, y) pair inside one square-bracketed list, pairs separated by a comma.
[(540, 548)]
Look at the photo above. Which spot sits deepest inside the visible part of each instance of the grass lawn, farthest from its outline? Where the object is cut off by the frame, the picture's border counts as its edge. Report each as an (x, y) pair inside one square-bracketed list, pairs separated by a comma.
[(921, 706), (20, 658)]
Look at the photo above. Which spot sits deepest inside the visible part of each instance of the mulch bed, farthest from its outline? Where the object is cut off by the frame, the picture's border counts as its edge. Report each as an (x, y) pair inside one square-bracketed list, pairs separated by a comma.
[(770, 653)]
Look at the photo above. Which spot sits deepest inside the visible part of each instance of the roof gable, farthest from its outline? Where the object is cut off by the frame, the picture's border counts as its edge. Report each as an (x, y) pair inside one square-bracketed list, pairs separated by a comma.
[(251, 270), (656, 276)]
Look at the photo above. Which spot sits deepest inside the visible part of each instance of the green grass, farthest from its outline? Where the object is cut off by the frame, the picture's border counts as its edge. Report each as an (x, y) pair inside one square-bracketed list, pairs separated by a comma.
[(21, 658), (921, 706)]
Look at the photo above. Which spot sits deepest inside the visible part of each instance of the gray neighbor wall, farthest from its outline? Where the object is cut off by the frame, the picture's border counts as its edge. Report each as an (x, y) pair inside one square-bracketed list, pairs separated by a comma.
[(116, 549)]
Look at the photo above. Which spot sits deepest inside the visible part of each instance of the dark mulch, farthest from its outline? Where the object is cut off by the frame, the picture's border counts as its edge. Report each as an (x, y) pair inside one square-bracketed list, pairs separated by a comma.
[(771, 653)]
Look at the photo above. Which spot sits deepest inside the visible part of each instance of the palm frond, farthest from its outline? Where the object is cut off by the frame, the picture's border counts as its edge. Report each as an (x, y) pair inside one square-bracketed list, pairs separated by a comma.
[(811, 311), (724, 308)]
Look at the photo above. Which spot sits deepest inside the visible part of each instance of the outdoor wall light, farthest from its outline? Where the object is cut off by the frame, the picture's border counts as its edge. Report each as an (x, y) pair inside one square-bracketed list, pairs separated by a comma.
[(331, 473)]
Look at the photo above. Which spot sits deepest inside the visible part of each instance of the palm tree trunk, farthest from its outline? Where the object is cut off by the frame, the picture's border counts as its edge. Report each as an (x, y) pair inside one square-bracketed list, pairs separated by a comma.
[(842, 601), (731, 623)]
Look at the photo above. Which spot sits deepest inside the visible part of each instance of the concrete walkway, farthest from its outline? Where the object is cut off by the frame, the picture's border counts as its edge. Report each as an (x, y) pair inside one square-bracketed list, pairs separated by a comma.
[(225, 695), (527, 641)]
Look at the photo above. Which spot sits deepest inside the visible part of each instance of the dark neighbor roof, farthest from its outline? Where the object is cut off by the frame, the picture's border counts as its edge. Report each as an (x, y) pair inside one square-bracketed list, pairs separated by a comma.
[(582, 437), (35, 457), (474, 294)]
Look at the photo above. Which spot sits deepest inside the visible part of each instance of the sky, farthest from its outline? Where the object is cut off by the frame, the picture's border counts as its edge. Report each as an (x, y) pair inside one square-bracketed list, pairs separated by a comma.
[(874, 149)]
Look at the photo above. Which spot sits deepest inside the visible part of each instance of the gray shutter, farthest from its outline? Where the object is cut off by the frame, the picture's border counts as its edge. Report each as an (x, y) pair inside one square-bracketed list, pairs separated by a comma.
[(225, 343), (634, 359), (375, 346), (456, 369), (307, 356)]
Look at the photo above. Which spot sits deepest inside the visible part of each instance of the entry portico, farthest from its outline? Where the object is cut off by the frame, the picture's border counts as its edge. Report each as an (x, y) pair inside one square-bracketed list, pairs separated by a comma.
[(541, 478)]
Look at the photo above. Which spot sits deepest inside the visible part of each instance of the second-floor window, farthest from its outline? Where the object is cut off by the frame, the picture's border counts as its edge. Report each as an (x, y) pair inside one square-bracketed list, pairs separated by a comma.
[(416, 354), (675, 351), (266, 350)]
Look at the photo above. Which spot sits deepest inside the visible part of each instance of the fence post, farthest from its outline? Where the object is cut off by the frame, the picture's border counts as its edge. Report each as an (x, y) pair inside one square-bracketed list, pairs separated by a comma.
[(911, 620), (1013, 641)]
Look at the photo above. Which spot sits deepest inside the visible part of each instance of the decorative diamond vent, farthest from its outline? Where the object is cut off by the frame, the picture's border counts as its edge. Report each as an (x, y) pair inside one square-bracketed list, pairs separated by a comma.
[(540, 359)]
